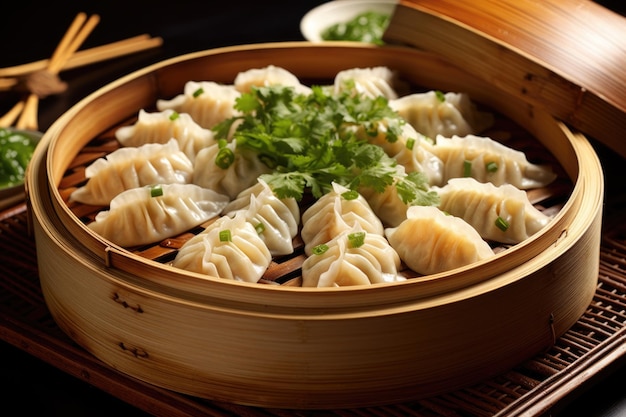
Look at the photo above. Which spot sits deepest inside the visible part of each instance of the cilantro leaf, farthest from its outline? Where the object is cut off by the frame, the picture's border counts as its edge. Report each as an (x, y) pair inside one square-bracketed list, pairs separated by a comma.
[(414, 189)]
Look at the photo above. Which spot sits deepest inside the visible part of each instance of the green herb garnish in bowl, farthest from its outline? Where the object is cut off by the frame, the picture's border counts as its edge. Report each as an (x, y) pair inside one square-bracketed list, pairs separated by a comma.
[(367, 27), (16, 150)]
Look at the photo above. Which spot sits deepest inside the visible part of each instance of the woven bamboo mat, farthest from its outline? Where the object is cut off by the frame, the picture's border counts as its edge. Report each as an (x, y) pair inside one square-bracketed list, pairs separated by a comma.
[(594, 343)]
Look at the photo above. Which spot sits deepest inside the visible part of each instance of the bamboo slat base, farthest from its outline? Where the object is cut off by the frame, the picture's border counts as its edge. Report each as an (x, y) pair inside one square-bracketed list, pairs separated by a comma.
[(591, 346)]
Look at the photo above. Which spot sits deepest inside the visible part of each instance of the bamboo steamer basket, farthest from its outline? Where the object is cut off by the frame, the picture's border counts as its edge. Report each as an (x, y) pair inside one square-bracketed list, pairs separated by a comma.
[(292, 347)]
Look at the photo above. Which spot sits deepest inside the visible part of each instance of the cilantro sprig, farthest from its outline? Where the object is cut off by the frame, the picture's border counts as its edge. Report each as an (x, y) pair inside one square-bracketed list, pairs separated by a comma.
[(312, 140)]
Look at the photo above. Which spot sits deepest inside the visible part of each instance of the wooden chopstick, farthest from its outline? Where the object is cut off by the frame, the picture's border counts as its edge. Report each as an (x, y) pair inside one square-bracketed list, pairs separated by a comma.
[(70, 34), (64, 54), (66, 57), (7, 83), (88, 56), (9, 118), (113, 50), (71, 41), (28, 118)]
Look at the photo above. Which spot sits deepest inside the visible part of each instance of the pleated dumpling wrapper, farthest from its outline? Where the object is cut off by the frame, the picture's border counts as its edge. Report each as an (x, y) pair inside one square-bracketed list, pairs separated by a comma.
[(430, 241), (145, 215), (498, 213)]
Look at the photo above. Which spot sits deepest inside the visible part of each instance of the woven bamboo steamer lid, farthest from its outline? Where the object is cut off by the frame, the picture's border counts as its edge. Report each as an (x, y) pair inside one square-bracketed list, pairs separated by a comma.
[(310, 348), (565, 56)]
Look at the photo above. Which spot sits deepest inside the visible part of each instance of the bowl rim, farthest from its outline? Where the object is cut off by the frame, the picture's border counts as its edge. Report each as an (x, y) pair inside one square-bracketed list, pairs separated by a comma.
[(337, 11)]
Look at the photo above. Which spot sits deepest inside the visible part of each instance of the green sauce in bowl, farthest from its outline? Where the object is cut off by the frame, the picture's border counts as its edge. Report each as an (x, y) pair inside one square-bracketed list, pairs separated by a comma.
[(367, 27), (16, 150)]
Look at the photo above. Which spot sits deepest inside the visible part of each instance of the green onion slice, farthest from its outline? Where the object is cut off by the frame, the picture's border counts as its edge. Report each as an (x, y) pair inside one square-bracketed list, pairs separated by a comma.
[(225, 235), (410, 143), (198, 92), (491, 166), (502, 224), (356, 239), (224, 158), (350, 195), (467, 168), (320, 249), (174, 116), (156, 191), (440, 96), (260, 227)]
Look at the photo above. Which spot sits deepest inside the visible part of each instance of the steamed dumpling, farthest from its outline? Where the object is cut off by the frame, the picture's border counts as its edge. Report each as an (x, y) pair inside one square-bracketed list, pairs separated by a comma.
[(335, 212), (354, 257), (434, 113), (430, 241), (410, 149), (274, 220), (160, 127), (229, 248), (387, 205), (370, 82), (127, 168), (240, 174), (242, 201), (207, 102), (502, 214), (268, 76), (488, 160), (144, 215)]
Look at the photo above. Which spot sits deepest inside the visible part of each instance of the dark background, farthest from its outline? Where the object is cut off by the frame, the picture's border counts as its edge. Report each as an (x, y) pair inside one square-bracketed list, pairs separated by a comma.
[(30, 30)]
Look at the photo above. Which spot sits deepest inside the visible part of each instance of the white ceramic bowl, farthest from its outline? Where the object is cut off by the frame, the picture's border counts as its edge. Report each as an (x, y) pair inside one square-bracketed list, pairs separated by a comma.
[(327, 14)]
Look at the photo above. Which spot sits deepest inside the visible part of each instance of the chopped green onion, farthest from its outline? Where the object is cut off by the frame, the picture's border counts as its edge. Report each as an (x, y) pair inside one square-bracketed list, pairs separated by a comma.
[(367, 26), (491, 166), (320, 249), (198, 92), (410, 143), (350, 195), (356, 239), (260, 228), (502, 224), (16, 150), (467, 168), (224, 158), (156, 191), (225, 236), (440, 96), (174, 116)]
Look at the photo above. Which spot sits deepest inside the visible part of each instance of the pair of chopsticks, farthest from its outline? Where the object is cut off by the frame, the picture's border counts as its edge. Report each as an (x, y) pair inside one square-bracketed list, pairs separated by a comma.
[(76, 34), (65, 57), (9, 75)]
